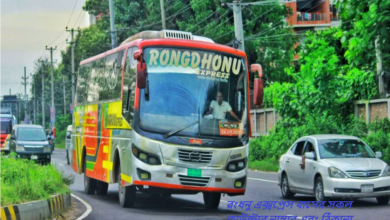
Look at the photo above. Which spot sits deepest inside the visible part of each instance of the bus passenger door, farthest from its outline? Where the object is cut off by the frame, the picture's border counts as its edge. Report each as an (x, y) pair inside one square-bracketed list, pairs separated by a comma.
[(129, 86)]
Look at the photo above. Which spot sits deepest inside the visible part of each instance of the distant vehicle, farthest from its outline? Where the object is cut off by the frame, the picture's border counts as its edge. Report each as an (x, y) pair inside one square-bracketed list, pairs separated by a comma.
[(29, 142), (4, 110), (50, 138), (334, 166), (7, 121), (68, 142), (140, 118)]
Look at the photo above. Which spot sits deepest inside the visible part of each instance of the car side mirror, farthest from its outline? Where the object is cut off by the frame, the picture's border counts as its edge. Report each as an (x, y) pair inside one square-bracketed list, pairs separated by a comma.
[(12, 137), (141, 69), (378, 154), (258, 89), (310, 155), (49, 138)]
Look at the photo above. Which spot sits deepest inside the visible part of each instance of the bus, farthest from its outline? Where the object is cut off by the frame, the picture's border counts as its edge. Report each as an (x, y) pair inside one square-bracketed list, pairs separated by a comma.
[(166, 112), (7, 121)]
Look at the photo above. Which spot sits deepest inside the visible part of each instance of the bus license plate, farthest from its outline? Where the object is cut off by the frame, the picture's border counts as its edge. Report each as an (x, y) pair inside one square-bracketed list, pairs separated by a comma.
[(369, 188), (34, 157), (194, 172)]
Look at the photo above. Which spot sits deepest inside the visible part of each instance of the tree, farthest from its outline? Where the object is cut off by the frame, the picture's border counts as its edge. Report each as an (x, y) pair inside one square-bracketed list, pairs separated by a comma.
[(364, 23)]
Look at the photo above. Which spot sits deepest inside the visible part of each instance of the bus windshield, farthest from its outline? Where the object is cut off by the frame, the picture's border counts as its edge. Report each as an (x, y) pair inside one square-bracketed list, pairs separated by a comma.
[(195, 93), (6, 126)]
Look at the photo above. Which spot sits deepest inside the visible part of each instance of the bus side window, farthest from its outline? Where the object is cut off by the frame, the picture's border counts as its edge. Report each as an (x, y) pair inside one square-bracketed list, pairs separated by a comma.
[(129, 86)]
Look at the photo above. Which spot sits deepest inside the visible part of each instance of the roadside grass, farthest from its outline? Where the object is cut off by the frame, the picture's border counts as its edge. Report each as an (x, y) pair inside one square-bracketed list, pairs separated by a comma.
[(24, 180), (59, 143), (264, 165)]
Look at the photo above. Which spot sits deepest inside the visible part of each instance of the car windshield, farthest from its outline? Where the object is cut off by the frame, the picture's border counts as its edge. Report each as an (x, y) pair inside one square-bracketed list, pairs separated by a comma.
[(6, 127), (194, 93), (31, 134), (344, 148)]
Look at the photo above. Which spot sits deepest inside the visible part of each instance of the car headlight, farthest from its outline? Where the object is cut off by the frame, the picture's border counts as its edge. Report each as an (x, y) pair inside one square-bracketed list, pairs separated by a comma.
[(146, 157), (336, 173), (46, 148), (237, 165), (386, 172), (19, 147)]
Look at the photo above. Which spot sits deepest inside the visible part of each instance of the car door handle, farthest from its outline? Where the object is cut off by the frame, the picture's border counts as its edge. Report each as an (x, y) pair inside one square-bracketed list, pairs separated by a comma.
[(287, 161)]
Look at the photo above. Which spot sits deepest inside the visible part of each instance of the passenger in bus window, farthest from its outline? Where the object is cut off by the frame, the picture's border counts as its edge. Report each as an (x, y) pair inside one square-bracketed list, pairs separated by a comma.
[(219, 108)]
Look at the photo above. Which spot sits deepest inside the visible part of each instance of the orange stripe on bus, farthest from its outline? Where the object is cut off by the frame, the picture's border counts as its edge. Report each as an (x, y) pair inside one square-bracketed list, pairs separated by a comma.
[(174, 186)]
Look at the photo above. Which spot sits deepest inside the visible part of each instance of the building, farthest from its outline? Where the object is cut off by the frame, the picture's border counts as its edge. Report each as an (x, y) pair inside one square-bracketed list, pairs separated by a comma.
[(312, 15)]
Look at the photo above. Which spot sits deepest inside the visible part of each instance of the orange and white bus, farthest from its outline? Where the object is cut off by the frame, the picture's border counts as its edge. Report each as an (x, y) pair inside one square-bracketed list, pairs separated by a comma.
[(165, 113)]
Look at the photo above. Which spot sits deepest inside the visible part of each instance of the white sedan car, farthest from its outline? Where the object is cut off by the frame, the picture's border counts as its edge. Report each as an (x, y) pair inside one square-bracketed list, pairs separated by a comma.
[(334, 166)]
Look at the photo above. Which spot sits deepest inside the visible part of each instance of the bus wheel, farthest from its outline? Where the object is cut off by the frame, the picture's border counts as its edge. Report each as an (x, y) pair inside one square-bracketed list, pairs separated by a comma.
[(211, 200), (126, 193), (89, 183), (101, 188)]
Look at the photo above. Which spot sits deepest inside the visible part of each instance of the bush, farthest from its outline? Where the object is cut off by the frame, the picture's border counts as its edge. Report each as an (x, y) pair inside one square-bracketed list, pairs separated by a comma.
[(24, 180)]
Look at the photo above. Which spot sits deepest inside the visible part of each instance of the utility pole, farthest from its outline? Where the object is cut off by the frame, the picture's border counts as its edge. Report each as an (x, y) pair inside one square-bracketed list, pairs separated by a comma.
[(237, 7), (34, 99), (112, 23), (63, 88), (381, 85), (72, 43), (52, 84), (26, 118), (162, 14), (43, 92)]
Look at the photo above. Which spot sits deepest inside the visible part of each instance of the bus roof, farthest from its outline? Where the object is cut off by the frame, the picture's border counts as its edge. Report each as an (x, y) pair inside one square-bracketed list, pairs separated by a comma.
[(167, 38)]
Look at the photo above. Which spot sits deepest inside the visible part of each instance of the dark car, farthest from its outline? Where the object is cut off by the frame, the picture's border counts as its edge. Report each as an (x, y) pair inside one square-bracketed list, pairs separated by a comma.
[(29, 142)]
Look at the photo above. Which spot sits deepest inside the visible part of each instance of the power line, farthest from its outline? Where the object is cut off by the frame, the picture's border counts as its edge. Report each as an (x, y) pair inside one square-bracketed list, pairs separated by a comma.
[(211, 23), (72, 12), (201, 21), (78, 19)]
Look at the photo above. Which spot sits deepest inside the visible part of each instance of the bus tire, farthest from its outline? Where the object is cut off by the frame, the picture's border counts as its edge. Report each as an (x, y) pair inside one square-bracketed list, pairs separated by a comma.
[(211, 200), (89, 183), (127, 194), (101, 188)]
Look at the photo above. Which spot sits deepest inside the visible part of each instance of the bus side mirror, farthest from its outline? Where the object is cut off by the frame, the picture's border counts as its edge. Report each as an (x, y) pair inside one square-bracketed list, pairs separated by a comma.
[(141, 70), (258, 89)]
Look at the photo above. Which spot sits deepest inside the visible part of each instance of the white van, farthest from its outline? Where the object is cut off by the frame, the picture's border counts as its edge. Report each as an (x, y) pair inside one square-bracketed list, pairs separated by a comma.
[(68, 142)]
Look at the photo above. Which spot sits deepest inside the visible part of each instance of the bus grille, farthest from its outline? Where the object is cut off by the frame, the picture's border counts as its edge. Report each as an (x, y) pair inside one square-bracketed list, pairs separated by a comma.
[(195, 156), (364, 174), (194, 181)]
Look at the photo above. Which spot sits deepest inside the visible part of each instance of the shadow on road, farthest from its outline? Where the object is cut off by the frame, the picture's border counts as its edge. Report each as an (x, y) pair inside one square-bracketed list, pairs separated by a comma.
[(154, 205)]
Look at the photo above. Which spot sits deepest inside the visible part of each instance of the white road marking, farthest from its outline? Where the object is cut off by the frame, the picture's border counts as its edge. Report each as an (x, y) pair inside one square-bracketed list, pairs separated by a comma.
[(61, 164), (271, 181), (297, 217), (224, 201), (89, 208)]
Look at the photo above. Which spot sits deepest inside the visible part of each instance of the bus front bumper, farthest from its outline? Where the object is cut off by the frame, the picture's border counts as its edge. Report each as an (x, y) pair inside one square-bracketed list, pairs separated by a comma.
[(178, 177)]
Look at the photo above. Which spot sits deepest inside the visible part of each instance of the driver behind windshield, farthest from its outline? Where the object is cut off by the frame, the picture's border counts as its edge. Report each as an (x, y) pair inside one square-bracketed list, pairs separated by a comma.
[(219, 108)]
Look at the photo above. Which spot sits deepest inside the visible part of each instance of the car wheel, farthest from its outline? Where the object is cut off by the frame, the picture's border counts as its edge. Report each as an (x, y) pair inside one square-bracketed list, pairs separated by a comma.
[(101, 188), (211, 200), (89, 183), (285, 188), (127, 194), (383, 200), (319, 190), (166, 195)]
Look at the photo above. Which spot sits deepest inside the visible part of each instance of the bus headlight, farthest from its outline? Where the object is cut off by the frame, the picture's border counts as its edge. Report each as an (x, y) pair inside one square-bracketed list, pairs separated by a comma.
[(146, 157), (237, 165)]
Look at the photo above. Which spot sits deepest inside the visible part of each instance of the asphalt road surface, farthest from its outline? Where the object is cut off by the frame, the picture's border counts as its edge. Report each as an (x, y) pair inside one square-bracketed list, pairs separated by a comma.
[(261, 186)]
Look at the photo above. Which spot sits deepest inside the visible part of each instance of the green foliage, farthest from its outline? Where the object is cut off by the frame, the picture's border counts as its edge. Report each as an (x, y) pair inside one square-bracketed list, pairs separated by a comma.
[(264, 165), (23, 181), (364, 22), (61, 125)]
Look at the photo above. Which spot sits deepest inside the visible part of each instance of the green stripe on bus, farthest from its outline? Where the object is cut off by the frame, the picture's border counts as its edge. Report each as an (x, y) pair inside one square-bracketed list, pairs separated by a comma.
[(90, 165)]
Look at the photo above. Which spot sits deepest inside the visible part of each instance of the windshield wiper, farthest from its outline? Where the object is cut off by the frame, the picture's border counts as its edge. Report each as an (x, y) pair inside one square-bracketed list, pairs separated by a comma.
[(180, 129)]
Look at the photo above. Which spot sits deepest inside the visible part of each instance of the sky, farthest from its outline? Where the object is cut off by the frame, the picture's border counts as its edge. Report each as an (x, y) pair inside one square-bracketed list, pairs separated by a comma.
[(27, 26)]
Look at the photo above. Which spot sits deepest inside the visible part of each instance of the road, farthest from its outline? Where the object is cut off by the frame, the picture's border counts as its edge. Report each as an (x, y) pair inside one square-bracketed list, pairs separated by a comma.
[(261, 186)]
